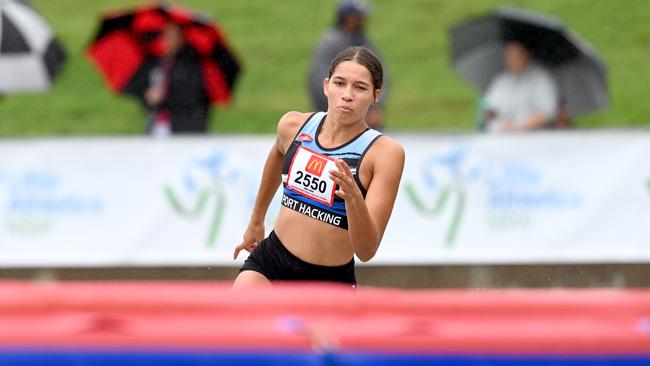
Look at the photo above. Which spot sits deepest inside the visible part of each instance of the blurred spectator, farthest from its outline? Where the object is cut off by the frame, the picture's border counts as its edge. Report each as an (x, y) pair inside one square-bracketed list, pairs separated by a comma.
[(174, 95), (349, 30), (523, 97)]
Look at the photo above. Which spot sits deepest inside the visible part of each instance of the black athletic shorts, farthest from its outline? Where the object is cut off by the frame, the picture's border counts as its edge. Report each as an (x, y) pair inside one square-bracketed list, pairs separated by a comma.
[(272, 259)]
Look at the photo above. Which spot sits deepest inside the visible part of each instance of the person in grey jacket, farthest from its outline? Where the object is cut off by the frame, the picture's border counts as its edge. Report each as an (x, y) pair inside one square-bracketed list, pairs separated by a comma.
[(349, 30)]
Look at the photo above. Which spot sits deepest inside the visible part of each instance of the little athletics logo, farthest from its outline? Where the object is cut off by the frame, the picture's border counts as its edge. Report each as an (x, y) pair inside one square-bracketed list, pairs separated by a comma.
[(200, 208), (457, 192), (204, 184), (510, 194), (448, 196)]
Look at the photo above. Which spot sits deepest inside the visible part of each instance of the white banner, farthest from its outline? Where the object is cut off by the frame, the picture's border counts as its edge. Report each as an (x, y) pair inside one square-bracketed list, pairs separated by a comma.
[(546, 197)]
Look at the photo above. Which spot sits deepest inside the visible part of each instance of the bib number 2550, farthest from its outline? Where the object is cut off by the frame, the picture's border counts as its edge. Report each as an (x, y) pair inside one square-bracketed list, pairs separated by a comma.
[(308, 175), (309, 181)]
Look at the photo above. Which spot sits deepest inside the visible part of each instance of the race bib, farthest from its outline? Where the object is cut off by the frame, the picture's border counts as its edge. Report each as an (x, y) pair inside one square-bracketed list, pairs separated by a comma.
[(309, 175)]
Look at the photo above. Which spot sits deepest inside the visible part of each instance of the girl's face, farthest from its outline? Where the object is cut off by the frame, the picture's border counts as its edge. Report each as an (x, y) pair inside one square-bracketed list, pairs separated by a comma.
[(350, 92)]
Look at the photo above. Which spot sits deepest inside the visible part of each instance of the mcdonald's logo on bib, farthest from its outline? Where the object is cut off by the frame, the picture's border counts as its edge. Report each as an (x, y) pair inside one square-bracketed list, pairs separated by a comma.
[(315, 165)]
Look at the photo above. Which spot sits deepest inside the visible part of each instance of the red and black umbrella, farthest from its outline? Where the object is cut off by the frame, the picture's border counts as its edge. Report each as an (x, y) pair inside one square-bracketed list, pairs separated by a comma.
[(126, 41)]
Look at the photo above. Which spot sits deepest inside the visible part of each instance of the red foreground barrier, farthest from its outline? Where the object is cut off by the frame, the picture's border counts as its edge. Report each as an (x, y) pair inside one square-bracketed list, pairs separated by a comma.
[(312, 316)]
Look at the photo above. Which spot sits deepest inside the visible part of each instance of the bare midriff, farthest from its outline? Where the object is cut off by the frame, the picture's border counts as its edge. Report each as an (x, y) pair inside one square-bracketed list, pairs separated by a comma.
[(312, 240)]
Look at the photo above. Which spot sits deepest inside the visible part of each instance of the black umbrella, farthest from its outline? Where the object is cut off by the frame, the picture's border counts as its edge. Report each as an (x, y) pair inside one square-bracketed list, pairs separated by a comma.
[(477, 54), (30, 57)]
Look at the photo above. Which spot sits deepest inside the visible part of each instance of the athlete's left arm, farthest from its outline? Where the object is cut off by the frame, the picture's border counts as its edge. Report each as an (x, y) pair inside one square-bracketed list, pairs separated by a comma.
[(367, 219)]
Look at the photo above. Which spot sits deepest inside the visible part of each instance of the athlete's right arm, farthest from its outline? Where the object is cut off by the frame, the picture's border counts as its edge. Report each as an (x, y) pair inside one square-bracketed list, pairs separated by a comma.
[(271, 178)]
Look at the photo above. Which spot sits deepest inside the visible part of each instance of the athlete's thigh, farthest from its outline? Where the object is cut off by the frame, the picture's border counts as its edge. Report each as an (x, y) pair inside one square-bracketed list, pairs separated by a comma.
[(250, 279)]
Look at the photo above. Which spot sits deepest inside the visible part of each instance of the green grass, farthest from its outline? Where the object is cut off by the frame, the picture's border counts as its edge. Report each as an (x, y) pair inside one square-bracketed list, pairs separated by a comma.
[(275, 38)]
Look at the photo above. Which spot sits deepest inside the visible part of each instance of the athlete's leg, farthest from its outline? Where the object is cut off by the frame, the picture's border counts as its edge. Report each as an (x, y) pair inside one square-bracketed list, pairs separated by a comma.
[(247, 279)]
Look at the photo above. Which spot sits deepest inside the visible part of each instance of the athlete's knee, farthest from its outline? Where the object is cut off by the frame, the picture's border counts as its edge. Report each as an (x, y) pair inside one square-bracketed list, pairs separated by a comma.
[(247, 279)]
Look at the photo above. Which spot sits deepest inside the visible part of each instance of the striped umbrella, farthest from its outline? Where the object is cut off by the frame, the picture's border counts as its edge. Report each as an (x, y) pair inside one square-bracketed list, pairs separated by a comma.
[(30, 56)]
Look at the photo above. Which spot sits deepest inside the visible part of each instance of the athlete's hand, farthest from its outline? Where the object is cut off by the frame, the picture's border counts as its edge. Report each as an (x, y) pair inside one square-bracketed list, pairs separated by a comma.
[(347, 187), (253, 235)]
